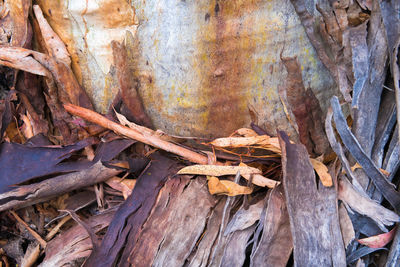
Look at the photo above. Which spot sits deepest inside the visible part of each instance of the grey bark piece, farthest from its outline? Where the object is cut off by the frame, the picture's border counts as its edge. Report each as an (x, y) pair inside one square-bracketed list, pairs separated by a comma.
[(359, 49), (366, 113), (391, 19), (366, 206), (391, 161), (203, 253), (313, 211), (337, 147), (394, 254), (386, 122), (245, 218), (235, 250)]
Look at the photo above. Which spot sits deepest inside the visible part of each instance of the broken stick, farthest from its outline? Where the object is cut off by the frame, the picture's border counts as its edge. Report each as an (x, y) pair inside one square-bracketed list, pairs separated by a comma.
[(146, 138)]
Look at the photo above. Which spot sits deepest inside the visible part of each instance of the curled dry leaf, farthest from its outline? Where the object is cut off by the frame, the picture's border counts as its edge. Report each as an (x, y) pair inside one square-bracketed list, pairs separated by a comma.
[(225, 187), (215, 170), (262, 141), (322, 172), (123, 185), (378, 241), (358, 166)]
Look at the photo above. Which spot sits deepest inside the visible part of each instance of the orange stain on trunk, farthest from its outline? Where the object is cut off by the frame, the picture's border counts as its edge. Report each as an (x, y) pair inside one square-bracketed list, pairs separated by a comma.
[(227, 52)]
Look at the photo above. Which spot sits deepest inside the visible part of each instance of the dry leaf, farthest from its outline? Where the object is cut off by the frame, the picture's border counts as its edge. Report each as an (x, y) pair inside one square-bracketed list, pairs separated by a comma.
[(261, 141), (246, 132), (378, 241), (144, 130), (225, 187), (322, 171), (358, 166), (346, 225), (27, 127), (122, 164), (260, 180), (123, 185), (215, 170)]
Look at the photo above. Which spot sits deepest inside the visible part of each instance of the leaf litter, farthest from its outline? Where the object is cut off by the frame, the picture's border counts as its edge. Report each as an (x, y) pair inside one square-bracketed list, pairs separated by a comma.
[(163, 198)]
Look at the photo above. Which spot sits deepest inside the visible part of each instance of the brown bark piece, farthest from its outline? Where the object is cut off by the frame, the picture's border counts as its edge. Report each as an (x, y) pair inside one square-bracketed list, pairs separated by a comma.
[(306, 109), (129, 85), (123, 233), (75, 243), (312, 209), (34, 193), (180, 228), (276, 244)]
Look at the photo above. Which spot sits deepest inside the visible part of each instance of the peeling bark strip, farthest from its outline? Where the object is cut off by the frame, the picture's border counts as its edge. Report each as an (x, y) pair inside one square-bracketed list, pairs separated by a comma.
[(312, 209), (306, 109), (129, 86), (380, 181), (308, 23), (130, 217)]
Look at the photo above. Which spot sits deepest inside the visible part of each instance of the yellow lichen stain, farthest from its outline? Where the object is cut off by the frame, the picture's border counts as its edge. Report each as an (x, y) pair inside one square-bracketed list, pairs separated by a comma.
[(108, 92)]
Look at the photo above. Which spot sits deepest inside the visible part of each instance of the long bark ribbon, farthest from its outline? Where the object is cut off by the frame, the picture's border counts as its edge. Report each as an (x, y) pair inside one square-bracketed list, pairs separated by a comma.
[(382, 184)]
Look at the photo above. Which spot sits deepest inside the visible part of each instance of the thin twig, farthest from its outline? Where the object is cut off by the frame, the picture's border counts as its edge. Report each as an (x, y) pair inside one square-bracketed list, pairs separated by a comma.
[(41, 241), (56, 228)]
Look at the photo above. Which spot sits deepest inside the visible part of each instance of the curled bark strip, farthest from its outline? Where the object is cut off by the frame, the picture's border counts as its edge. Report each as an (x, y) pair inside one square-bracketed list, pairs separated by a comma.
[(22, 59), (380, 181), (339, 151), (365, 205), (54, 44)]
